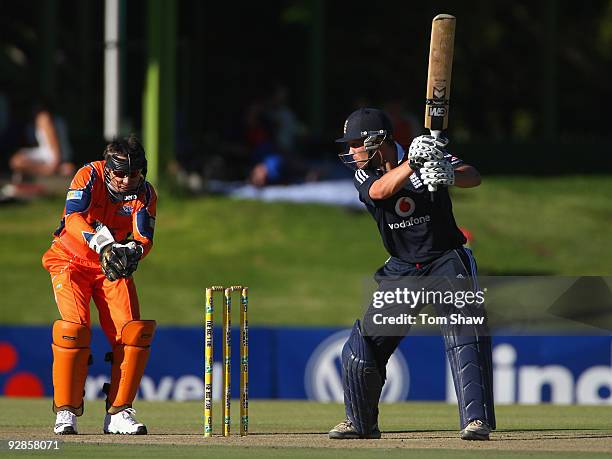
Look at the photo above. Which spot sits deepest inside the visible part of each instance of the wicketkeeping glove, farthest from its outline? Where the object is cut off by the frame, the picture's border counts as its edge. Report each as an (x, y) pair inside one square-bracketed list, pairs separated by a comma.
[(426, 148), (439, 172), (120, 260)]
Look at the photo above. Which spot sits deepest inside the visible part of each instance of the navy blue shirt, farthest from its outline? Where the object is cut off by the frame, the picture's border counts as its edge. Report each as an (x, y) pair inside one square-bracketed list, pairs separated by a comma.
[(412, 227)]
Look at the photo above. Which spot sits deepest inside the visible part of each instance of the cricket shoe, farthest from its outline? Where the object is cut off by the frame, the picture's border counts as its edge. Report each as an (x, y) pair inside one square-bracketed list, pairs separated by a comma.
[(346, 431), (124, 423), (65, 423), (476, 430)]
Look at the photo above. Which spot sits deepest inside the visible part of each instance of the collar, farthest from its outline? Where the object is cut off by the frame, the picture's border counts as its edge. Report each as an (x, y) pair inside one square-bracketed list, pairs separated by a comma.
[(400, 153)]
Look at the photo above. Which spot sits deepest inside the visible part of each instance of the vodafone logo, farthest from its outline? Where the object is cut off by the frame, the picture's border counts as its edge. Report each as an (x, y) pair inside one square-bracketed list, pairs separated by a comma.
[(404, 207)]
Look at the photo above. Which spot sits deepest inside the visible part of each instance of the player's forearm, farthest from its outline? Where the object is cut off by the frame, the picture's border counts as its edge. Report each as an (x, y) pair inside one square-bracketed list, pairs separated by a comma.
[(467, 177), (391, 182), (76, 225)]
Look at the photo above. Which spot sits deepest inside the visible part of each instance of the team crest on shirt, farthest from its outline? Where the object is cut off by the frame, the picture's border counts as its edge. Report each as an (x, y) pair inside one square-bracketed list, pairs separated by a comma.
[(125, 210), (405, 207)]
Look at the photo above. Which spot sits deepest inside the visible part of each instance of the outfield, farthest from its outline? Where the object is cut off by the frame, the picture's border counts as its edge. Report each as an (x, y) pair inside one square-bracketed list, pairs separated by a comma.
[(298, 429), (308, 264)]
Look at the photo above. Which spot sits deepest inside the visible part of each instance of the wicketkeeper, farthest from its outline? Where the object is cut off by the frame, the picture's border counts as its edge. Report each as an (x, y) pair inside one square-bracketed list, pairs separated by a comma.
[(426, 248), (106, 229)]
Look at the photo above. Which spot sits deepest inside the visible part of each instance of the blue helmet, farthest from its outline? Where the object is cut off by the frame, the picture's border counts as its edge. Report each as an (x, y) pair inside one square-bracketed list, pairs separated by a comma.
[(366, 124)]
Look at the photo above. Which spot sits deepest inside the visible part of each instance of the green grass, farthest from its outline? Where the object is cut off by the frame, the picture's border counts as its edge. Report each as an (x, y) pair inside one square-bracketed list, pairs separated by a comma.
[(309, 264), (167, 451), (298, 429), (535, 225)]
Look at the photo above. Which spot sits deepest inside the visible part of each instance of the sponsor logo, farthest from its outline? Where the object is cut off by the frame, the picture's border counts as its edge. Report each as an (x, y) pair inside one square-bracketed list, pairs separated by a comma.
[(412, 221), (405, 207), (323, 379), (130, 197), (437, 111), (526, 384), (74, 194), (439, 93)]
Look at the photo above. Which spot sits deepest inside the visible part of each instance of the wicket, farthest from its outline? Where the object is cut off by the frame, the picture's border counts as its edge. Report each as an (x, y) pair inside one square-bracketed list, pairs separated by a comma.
[(227, 353)]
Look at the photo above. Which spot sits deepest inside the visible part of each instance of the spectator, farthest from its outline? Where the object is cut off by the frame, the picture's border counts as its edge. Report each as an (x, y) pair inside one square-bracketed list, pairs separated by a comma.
[(288, 127), (273, 135), (47, 151), (261, 138)]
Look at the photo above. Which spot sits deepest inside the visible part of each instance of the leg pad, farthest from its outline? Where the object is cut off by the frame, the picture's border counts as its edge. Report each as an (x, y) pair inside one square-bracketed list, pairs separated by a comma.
[(471, 365), (129, 360), (71, 356), (362, 382)]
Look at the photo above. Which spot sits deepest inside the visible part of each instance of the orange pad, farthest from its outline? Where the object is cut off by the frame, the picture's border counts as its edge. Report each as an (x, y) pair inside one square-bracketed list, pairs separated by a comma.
[(138, 333), (129, 361), (70, 357), (71, 335)]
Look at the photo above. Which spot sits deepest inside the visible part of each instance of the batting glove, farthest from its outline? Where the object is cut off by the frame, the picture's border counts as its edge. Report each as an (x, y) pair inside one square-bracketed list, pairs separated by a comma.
[(438, 172), (426, 148)]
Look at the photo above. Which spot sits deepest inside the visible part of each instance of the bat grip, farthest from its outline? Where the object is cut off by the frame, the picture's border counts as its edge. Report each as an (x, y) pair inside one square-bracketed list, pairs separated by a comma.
[(432, 188)]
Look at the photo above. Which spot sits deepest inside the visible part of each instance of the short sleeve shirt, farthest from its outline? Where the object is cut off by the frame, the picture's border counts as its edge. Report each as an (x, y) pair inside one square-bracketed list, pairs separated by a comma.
[(413, 227)]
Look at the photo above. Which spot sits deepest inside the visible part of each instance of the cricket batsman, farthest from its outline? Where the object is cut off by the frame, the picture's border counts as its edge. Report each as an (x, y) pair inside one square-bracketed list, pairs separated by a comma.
[(420, 234), (106, 229)]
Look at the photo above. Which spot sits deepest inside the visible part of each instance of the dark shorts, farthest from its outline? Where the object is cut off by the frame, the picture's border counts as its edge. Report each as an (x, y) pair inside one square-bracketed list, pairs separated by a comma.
[(444, 285)]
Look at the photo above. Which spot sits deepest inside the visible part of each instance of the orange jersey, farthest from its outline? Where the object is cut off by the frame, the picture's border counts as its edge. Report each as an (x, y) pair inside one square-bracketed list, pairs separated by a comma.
[(88, 205)]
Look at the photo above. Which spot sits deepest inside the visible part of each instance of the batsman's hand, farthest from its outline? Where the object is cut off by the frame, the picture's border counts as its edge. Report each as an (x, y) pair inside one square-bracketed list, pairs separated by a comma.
[(120, 260), (438, 172), (426, 148)]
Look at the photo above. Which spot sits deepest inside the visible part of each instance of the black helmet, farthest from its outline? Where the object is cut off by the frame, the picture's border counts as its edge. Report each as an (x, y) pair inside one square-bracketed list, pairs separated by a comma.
[(126, 156), (365, 123)]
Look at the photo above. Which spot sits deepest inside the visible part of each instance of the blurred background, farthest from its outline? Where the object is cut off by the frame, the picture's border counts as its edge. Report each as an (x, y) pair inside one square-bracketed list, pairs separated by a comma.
[(238, 106), (525, 77)]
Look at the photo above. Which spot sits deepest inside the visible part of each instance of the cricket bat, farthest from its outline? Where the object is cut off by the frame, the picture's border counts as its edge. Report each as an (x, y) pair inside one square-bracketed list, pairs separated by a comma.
[(439, 75)]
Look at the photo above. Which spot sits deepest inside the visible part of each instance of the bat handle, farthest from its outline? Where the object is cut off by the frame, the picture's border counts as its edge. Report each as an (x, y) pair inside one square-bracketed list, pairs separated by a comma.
[(432, 188)]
